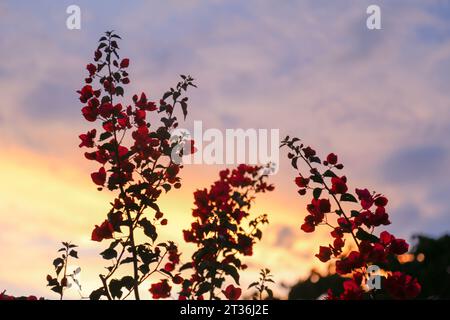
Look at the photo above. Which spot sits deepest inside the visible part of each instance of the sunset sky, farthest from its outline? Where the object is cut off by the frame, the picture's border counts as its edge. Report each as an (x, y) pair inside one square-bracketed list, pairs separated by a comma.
[(380, 99)]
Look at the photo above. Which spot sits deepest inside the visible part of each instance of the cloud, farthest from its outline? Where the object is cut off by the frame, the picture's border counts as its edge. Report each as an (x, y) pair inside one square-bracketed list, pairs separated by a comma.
[(286, 237), (408, 220), (417, 164)]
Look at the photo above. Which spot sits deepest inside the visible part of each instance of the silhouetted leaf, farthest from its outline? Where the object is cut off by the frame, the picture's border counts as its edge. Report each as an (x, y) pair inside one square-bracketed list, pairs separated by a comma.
[(184, 108), (203, 288), (115, 288), (317, 192), (149, 229), (365, 236), (231, 271), (97, 294), (329, 174), (348, 197), (109, 254)]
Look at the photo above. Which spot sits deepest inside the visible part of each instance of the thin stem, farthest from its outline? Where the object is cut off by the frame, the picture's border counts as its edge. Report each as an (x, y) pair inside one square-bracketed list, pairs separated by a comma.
[(123, 194), (105, 285), (64, 281)]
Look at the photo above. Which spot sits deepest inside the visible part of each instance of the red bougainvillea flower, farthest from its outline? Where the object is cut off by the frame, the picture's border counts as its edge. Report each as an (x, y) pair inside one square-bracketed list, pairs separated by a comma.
[(309, 152), (87, 139), (332, 159), (309, 225), (352, 291), (188, 236), (232, 293), (106, 110), (91, 68), (87, 92), (324, 254), (302, 182), (160, 290), (339, 185), (99, 177), (365, 198), (177, 279), (394, 246), (104, 231), (169, 267), (4, 296), (402, 286), (245, 245), (381, 201), (125, 63)]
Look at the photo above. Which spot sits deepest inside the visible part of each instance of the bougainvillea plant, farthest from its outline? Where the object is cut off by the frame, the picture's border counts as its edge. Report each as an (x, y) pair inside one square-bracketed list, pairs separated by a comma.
[(64, 278), (134, 160), (223, 232), (262, 285), (356, 216)]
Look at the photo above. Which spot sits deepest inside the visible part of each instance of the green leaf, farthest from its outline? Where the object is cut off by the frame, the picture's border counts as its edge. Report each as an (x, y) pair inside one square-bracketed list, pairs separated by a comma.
[(166, 95), (109, 254), (53, 282), (294, 162), (97, 294), (144, 268), (149, 229), (329, 174), (231, 271), (348, 197), (258, 234), (365, 236), (354, 213), (57, 262), (74, 254), (57, 289), (203, 288), (119, 91), (317, 192), (314, 159), (127, 282), (317, 178), (167, 187), (105, 135), (186, 266), (184, 108), (115, 288)]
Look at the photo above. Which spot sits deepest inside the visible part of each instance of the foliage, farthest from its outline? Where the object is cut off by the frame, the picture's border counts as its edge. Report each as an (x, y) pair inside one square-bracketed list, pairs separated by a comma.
[(223, 232), (135, 161), (357, 215), (64, 280)]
